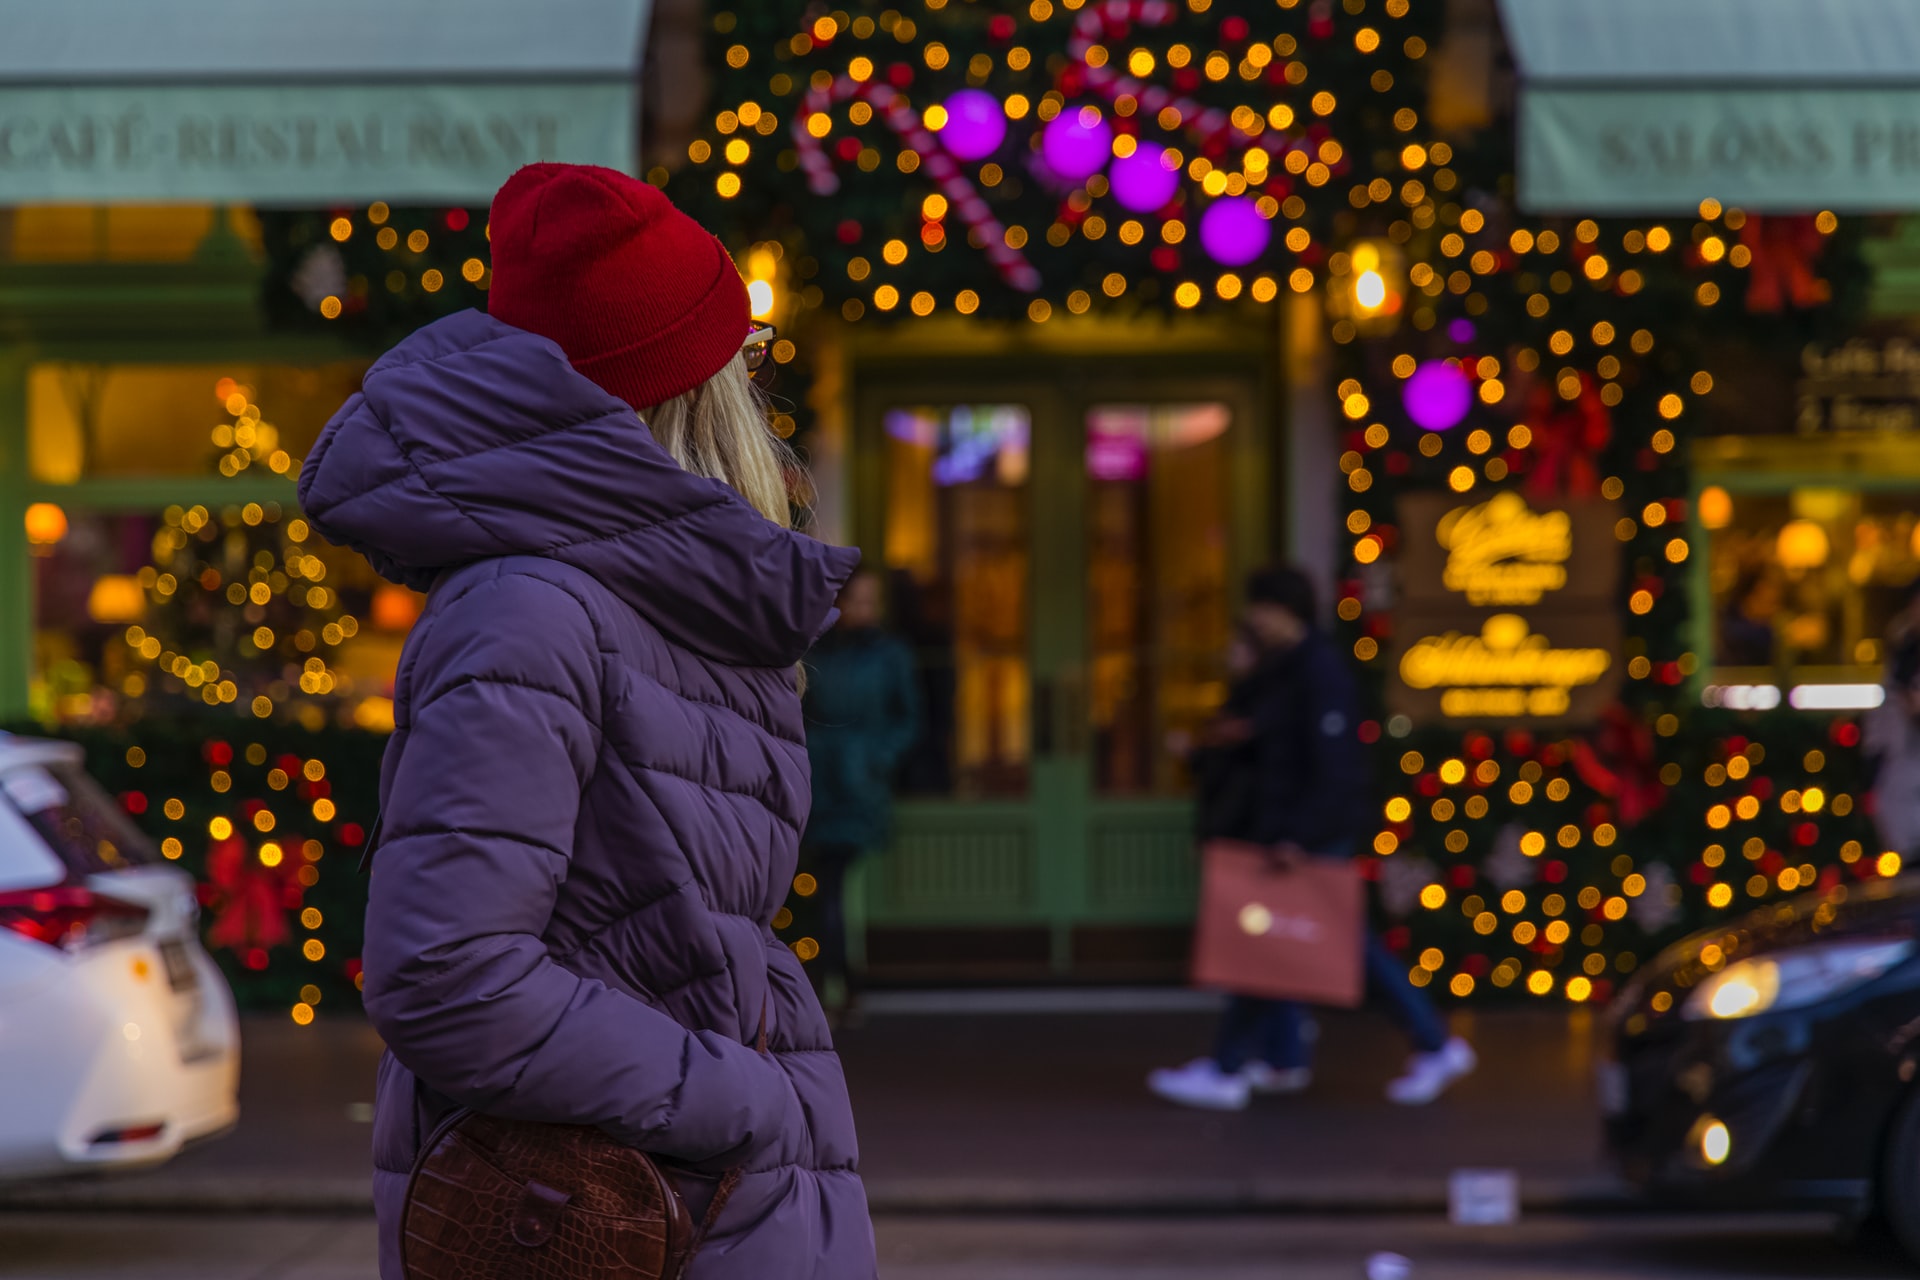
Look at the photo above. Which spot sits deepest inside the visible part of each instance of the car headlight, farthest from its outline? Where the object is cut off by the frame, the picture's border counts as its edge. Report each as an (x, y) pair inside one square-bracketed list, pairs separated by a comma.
[(1793, 979)]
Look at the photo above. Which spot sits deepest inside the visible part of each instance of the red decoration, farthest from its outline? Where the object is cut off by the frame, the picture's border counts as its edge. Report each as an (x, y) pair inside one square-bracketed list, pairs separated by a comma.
[(1618, 762), (250, 910), (1781, 274), (1568, 438)]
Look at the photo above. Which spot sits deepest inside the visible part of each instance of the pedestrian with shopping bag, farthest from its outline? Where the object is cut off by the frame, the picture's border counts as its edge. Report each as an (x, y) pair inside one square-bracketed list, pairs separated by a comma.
[(1282, 916)]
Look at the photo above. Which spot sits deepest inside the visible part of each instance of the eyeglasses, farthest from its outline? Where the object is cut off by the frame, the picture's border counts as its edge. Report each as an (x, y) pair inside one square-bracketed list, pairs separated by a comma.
[(757, 347)]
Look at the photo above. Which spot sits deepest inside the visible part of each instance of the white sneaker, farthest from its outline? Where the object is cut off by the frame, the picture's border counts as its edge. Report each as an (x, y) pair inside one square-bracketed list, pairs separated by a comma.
[(1428, 1074), (1201, 1083), (1270, 1079)]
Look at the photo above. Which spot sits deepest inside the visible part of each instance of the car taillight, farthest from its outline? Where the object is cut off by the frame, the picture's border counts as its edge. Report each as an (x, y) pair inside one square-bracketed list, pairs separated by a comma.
[(69, 916)]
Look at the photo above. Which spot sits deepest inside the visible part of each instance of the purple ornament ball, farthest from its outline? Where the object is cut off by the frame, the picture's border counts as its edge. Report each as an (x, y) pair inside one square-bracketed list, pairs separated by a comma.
[(1232, 231), (1146, 179), (1077, 143), (976, 125), (1438, 395)]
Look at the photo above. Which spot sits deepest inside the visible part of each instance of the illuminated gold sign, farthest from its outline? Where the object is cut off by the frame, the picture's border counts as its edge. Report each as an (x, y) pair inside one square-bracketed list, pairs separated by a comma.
[(1507, 612), (1507, 669), (1502, 552)]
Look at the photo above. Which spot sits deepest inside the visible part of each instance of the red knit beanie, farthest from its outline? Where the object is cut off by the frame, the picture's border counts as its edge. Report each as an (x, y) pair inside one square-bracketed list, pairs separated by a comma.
[(641, 298)]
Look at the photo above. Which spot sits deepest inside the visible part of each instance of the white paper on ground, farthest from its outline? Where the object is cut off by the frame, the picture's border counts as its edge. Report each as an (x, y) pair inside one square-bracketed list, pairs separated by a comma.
[(1483, 1197)]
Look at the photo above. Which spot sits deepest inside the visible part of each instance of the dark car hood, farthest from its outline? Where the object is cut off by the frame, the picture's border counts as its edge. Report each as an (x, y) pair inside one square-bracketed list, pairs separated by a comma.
[(1875, 908)]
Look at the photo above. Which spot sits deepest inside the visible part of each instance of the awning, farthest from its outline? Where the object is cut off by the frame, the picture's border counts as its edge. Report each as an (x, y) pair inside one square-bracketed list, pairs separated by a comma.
[(309, 101), (1776, 106)]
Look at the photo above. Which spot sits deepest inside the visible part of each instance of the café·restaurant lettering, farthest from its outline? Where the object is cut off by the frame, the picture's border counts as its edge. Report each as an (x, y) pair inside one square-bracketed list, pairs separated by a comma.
[(299, 143), (132, 140)]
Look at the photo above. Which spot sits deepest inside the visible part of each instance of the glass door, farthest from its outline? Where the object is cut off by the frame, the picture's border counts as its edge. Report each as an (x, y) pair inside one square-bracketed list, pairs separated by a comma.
[(1061, 557)]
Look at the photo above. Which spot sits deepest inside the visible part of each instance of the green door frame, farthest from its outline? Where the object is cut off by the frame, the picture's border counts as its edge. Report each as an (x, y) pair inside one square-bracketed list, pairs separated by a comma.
[(1062, 814)]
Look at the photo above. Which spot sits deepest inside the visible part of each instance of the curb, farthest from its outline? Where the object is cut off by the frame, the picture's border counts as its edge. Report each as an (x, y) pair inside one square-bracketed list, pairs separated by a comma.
[(902, 1196)]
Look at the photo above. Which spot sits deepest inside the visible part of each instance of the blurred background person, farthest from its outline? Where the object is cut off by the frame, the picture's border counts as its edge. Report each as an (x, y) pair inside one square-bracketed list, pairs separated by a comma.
[(863, 713), (1283, 767), (1892, 740)]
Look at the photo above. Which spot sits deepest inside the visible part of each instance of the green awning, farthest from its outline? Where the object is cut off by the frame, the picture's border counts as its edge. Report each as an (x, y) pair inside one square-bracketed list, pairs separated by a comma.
[(309, 101), (1776, 106)]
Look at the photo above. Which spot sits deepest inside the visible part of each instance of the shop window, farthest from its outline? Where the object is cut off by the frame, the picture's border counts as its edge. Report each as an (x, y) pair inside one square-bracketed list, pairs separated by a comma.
[(1804, 583), (1158, 497), (957, 538), (239, 609), (122, 233), (86, 421)]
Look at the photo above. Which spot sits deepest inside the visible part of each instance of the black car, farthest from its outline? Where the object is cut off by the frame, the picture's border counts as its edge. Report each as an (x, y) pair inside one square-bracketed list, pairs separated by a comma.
[(1773, 1061)]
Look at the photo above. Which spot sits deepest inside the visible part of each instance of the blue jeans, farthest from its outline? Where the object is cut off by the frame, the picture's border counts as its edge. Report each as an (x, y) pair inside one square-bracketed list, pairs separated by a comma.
[(1274, 1031)]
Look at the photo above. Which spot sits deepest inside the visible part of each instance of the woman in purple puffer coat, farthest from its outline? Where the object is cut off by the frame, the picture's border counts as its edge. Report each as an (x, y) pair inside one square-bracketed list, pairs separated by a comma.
[(593, 798)]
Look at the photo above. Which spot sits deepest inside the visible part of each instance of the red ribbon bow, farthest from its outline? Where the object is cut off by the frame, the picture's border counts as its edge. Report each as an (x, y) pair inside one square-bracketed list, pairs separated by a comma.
[(1618, 762), (1568, 437), (250, 911), (1781, 273)]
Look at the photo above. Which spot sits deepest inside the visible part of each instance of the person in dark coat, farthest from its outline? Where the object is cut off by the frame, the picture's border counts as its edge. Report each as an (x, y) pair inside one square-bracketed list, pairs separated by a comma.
[(1288, 772), (593, 798), (863, 712)]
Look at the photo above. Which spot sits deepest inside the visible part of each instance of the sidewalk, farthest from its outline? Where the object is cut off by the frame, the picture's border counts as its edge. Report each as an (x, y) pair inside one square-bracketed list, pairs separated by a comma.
[(979, 1111)]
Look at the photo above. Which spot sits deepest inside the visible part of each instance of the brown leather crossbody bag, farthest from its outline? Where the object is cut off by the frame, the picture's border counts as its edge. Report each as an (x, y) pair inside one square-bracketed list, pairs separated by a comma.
[(494, 1199)]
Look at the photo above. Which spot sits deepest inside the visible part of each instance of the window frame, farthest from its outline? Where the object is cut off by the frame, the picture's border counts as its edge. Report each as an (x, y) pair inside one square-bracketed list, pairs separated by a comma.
[(1774, 466), (118, 494)]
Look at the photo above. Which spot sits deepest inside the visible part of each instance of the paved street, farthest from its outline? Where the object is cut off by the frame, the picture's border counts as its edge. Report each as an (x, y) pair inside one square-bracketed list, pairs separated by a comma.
[(1009, 1112), (143, 1247)]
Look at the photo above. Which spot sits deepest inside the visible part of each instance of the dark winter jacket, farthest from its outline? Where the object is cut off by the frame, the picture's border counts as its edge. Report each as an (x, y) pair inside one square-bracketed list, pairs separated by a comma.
[(594, 794), (1226, 779), (863, 711), (1309, 771)]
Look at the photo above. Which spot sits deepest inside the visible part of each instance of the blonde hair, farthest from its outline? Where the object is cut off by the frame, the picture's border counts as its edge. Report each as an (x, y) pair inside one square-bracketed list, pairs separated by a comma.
[(719, 430)]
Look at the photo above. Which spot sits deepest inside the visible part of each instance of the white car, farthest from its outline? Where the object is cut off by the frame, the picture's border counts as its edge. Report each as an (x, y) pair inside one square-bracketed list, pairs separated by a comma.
[(118, 1039)]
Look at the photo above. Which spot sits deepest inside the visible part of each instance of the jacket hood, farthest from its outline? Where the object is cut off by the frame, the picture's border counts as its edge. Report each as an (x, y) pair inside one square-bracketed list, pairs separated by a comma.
[(473, 439)]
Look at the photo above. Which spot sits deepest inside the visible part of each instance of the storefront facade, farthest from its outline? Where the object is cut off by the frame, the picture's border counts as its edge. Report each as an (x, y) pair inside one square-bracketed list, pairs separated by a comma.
[(1064, 418)]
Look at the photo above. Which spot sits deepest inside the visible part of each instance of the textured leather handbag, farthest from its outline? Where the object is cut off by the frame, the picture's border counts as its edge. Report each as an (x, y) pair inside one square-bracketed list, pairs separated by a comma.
[(494, 1199)]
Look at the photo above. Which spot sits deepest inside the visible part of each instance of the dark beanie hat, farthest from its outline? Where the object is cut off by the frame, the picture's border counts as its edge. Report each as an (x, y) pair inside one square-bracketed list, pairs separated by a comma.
[(642, 298), (1285, 586)]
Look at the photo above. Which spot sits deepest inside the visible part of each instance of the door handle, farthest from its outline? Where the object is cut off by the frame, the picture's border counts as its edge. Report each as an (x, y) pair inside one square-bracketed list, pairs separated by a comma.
[(1043, 717), (1070, 707)]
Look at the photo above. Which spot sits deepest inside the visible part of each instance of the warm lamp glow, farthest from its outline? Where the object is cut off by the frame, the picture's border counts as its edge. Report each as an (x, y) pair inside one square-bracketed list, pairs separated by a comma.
[(46, 524), (1802, 545), (1370, 290), (116, 597), (760, 298), (1716, 507)]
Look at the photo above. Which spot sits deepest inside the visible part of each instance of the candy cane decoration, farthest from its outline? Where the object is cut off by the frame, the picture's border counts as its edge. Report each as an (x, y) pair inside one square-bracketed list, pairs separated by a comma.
[(946, 174), (1209, 122)]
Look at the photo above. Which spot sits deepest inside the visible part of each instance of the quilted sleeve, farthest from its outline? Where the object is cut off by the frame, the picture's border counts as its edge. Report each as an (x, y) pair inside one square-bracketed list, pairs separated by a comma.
[(479, 823)]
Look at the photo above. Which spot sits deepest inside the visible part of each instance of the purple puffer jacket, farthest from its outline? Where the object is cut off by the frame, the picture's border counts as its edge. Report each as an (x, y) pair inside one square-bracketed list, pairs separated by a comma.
[(594, 794)]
